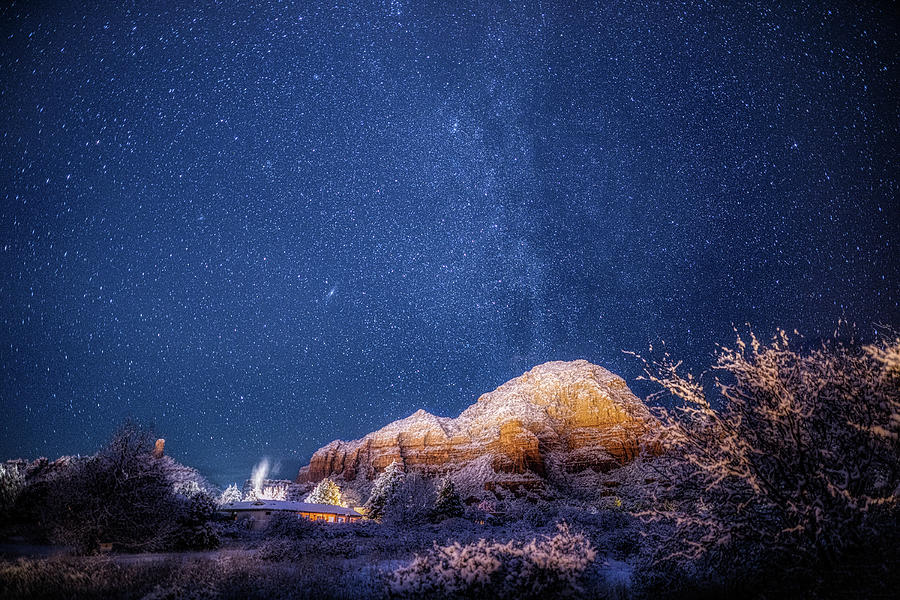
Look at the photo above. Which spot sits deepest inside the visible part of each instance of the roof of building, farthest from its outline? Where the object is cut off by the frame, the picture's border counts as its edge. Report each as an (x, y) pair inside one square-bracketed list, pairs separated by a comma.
[(291, 506)]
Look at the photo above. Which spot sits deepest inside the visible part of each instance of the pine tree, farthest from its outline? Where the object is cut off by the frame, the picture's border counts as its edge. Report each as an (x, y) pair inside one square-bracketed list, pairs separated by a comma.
[(411, 503), (385, 487), (231, 494), (448, 503), (327, 492)]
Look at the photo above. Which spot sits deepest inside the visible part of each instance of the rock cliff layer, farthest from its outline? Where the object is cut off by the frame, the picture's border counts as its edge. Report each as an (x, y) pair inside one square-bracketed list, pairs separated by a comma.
[(570, 416)]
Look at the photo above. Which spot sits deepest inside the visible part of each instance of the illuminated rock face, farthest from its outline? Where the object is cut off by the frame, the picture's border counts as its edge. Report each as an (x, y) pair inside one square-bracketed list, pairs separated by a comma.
[(574, 415)]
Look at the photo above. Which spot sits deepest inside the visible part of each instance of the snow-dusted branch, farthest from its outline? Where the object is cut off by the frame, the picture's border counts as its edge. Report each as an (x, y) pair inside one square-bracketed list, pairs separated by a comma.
[(799, 455)]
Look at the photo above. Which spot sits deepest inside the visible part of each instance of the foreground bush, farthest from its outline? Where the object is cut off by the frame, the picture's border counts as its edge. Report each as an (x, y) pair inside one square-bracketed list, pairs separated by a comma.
[(289, 526), (226, 577), (794, 461), (539, 568), (126, 496)]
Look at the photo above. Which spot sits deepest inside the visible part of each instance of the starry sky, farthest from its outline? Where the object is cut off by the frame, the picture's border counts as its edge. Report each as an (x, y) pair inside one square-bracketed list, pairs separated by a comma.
[(261, 229)]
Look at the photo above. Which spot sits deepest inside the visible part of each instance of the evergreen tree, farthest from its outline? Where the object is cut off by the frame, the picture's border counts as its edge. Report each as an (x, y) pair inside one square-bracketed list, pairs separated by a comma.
[(448, 503), (327, 492), (411, 503), (231, 494), (385, 487)]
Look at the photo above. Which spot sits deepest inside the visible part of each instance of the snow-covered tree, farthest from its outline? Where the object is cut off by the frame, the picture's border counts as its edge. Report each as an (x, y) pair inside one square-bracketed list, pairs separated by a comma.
[(231, 494), (186, 480), (385, 486), (448, 503), (795, 457), (326, 492), (121, 495), (125, 495), (11, 483), (351, 497), (271, 492), (412, 501)]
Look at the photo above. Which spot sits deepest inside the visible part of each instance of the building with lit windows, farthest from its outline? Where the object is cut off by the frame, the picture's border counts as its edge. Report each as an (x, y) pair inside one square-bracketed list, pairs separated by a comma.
[(259, 512)]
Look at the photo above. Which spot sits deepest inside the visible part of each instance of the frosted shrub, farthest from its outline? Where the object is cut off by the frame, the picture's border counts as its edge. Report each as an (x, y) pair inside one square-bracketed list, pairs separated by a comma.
[(197, 528), (280, 549), (120, 495), (551, 565), (126, 496), (291, 526), (292, 550), (794, 460)]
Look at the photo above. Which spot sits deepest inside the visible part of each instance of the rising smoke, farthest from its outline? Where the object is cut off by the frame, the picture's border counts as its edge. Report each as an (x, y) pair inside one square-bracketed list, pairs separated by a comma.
[(261, 472)]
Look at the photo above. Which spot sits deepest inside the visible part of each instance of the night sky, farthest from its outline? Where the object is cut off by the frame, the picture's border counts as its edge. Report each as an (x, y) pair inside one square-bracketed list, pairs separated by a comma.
[(264, 229)]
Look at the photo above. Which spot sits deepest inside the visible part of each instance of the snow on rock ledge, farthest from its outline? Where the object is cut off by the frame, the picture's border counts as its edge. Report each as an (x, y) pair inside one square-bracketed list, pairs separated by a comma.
[(575, 415)]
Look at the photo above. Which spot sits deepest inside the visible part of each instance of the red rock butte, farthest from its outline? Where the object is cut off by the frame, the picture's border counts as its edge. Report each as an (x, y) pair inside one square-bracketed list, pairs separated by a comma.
[(568, 416)]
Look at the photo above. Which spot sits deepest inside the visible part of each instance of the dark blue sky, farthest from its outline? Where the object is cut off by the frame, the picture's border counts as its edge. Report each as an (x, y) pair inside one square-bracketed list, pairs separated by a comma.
[(263, 229)]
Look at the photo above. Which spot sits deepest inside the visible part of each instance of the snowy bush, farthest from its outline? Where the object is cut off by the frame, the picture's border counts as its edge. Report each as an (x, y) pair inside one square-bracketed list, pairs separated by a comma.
[(799, 465), (286, 549), (185, 480), (536, 516), (120, 495), (197, 527), (229, 576), (279, 550), (126, 496), (539, 568), (290, 526), (459, 528)]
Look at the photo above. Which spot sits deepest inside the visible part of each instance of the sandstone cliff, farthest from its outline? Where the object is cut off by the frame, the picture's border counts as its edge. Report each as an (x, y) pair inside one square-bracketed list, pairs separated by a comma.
[(563, 417)]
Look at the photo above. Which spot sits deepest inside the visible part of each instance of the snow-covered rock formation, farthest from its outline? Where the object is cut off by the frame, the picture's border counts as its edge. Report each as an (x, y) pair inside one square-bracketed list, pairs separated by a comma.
[(560, 417)]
